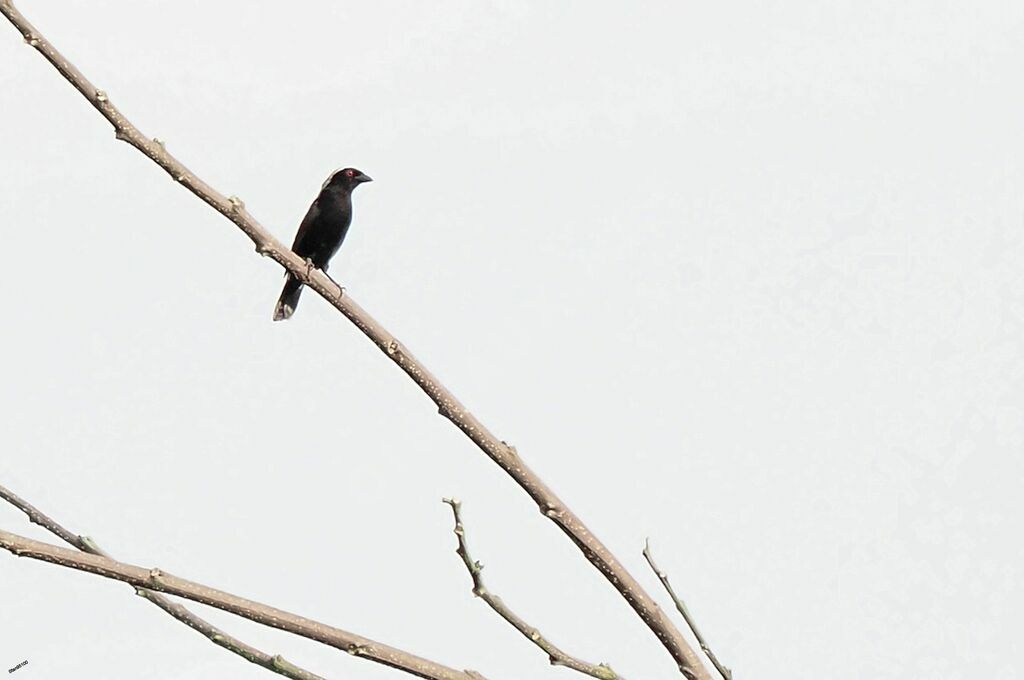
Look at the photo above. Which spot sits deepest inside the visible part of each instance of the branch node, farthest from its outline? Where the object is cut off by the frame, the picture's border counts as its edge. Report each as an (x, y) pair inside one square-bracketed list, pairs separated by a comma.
[(236, 204), (280, 664), (90, 544), (159, 142), (101, 96), (392, 347)]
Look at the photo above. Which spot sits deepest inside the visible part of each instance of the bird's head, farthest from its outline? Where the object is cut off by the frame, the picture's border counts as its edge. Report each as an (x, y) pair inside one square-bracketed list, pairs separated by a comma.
[(348, 178)]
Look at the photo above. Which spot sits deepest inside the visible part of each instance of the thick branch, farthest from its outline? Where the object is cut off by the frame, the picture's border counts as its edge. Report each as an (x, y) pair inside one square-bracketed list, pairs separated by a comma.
[(155, 579), (272, 662), (682, 608), (555, 655), (497, 450)]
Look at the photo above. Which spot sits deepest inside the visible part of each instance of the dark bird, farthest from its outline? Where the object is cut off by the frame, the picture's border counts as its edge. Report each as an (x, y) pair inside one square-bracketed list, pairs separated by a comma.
[(321, 232)]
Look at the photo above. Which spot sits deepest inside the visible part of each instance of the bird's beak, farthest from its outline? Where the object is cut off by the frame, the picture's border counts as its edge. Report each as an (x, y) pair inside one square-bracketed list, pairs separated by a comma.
[(365, 178)]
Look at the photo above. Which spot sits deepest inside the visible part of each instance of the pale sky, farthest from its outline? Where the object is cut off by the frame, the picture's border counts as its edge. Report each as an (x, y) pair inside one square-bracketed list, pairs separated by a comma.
[(746, 278)]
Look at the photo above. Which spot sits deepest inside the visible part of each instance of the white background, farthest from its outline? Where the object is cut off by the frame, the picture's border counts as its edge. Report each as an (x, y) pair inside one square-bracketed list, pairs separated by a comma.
[(742, 277)]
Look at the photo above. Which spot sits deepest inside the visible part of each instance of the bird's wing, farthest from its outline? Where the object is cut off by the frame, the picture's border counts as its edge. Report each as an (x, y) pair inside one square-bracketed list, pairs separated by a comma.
[(302, 234)]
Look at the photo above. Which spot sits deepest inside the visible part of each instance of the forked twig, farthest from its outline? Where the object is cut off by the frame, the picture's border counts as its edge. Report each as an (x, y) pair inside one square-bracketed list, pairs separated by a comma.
[(681, 606), (272, 662), (555, 655), (161, 581)]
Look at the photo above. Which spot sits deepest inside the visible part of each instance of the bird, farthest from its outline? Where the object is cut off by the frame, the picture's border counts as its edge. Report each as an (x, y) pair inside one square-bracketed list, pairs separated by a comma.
[(321, 232)]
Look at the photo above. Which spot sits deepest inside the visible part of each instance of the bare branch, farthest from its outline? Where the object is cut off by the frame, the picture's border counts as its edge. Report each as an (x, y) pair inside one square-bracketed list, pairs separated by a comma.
[(681, 606), (155, 579), (275, 662), (505, 456), (555, 655)]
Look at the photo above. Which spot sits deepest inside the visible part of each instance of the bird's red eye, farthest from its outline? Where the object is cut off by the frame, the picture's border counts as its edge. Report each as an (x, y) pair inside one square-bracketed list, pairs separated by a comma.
[(350, 173)]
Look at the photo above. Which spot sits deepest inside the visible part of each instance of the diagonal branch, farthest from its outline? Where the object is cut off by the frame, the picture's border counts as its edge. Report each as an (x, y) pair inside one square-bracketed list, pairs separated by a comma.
[(155, 579), (275, 662), (555, 655), (505, 456), (681, 606)]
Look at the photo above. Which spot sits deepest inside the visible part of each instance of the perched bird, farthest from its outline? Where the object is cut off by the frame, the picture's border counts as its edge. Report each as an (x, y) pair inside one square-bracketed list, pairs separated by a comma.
[(321, 232)]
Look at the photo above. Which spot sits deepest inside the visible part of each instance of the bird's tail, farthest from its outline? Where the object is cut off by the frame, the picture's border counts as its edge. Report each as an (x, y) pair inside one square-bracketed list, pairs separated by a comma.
[(289, 299)]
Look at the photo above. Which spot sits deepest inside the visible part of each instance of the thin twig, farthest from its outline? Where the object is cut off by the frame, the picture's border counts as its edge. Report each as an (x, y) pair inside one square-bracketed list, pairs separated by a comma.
[(687, 660), (681, 606), (158, 580), (555, 655), (272, 662)]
